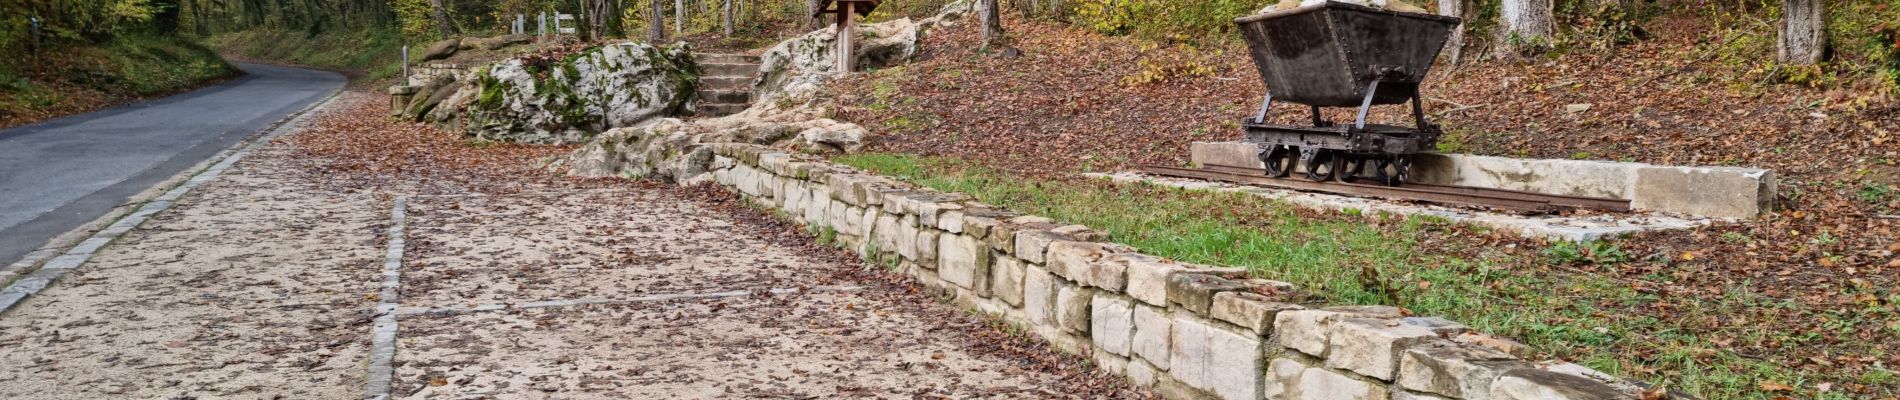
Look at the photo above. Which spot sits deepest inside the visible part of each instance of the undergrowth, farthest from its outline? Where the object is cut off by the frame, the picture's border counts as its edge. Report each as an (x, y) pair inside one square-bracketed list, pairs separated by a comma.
[(78, 76), (375, 52)]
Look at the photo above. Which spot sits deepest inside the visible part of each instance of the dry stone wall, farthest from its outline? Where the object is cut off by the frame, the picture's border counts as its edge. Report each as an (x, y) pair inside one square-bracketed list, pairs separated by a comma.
[(1186, 331)]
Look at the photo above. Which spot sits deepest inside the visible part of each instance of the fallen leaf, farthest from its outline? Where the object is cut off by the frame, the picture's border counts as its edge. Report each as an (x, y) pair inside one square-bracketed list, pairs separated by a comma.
[(1772, 386)]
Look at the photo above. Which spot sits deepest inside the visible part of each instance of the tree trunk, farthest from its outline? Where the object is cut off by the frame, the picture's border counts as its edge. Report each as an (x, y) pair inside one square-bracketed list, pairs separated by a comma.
[(1527, 25), (1454, 46), (817, 22), (726, 8), (992, 21), (1803, 38), (679, 17), (442, 19), (656, 22)]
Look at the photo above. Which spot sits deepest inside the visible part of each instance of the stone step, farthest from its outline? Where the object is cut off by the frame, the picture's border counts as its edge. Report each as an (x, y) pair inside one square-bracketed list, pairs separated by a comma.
[(729, 69), (720, 109), (705, 58), (725, 96), (725, 83)]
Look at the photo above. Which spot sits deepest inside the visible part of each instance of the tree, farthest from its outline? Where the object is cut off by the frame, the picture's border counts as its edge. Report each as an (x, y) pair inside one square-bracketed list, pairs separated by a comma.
[(726, 8), (1803, 38), (1526, 24), (442, 19), (992, 21), (656, 22), (811, 8), (1454, 46), (679, 17)]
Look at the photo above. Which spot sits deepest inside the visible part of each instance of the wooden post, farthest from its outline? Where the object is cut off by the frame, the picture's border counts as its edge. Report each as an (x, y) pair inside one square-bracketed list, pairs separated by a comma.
[(845, 34)]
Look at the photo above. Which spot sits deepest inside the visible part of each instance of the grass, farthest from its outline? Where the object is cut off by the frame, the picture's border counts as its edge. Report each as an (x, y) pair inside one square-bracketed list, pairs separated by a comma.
[(1381, 259), (375, 52)]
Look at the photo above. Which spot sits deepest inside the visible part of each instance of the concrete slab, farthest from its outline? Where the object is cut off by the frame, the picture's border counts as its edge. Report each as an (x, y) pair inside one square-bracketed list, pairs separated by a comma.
[(1718, 192), (1574, 228)]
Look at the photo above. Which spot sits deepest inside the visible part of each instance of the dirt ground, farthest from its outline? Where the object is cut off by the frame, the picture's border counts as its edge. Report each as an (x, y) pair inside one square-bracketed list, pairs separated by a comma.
[(262, 284)]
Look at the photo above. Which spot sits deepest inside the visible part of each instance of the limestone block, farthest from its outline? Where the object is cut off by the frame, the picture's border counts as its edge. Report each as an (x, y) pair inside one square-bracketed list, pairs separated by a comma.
[(1283, 378), (1072, 308), (845, 218), (952, 221), (1109, 362), (1250, 310), (1112, 323), (1232, 154), (1068, 259), (1148, 276), (1305, 330), (978, 221), (961, 260), (777, 163), (885, 235), (931, 214), (1405, 395), (927, 244), (1212, 359), (1039, 295), (1141, 373), (1507, 346), (1528, 384), (906, 237), (1153, 334), (817, 211), (1321, 384), (1006, 280), (1002, 237), (1440, 325), (1722, 192), (1032, 246), (1458, 371), (838, 187), (1195, 292), (1081, 233), (1371, 347), (795, 199)]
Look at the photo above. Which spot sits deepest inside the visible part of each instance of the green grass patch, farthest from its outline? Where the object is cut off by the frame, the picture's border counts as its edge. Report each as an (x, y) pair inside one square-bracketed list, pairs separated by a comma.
[(132, 64), (1380, 259)]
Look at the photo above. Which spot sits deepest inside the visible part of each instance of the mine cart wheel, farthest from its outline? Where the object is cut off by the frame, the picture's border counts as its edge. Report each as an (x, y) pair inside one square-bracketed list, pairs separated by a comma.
[(1392, 170), (1279, 160), (1322, 165), (1352, 166)]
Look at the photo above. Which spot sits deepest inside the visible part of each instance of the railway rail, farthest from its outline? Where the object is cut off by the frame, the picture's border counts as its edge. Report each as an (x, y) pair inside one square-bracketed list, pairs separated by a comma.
[(1498, 199)]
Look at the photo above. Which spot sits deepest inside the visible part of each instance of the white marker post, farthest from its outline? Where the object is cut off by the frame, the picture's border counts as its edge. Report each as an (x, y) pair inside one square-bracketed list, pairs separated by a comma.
[(405, 63)]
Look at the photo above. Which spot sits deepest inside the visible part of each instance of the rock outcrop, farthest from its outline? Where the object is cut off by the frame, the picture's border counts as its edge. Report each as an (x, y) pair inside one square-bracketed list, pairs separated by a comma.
[(800, 66), (671, 149), (568, 101), (442, 49)]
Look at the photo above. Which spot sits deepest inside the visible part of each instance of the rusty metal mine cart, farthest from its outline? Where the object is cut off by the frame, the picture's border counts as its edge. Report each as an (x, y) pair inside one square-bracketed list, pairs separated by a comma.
[(1343, 55)]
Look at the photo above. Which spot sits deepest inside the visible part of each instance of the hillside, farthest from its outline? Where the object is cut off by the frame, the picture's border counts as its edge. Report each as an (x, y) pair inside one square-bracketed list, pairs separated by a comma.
[(1684, 309)]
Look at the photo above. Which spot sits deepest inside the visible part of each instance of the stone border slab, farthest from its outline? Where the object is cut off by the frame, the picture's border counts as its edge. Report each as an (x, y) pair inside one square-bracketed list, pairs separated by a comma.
[(1717, 192), (1574, 228), (1185, 331)]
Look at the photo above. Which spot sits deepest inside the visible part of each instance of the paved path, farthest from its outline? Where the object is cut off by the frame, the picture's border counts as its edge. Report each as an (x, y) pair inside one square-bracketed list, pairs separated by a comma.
[(59, 174), (268, 283)]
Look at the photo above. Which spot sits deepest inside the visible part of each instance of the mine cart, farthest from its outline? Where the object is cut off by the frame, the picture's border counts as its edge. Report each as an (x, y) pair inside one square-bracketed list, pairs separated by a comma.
[(1343, 55)]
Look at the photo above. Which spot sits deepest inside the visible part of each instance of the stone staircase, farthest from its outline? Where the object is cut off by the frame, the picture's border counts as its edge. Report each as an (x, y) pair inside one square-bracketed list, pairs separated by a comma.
[(725, 86)]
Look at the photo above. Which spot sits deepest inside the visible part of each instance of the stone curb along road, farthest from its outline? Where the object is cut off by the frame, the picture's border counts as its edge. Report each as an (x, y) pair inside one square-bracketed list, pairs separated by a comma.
[(1187, 331), (32, 282)]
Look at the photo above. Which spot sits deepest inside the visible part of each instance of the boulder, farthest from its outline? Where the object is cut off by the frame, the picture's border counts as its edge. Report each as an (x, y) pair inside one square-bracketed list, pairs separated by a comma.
[(655, 150), (442, 49), (607, 87), (502, 42), (800, 66)]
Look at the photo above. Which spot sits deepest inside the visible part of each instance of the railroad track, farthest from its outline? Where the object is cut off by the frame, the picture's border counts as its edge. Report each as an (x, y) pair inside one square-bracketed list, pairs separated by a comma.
[(1499, 199)]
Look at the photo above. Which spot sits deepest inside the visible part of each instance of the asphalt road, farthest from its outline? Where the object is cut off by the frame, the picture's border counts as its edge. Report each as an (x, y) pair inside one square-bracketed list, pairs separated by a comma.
[(59, 174)]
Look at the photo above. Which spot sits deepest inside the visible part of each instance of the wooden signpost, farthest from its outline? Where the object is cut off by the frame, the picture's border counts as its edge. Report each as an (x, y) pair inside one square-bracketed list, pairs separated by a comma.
[(846, 32)]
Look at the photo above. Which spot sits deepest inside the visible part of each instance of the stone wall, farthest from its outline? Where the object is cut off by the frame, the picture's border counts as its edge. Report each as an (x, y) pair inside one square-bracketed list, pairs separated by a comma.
[(1186, 331)]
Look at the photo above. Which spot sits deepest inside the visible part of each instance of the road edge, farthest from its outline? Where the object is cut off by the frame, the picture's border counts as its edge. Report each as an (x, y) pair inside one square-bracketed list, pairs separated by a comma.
[(67, 251)]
